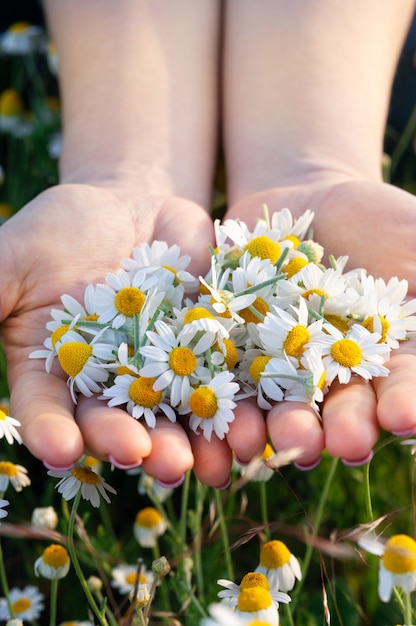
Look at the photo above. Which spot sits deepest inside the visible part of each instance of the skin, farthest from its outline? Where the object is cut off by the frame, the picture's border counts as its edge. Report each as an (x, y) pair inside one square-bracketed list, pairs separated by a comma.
[(140, 144)]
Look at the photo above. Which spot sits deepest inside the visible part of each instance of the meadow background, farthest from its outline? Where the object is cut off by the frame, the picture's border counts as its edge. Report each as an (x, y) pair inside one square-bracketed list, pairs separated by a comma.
[(211, 534)]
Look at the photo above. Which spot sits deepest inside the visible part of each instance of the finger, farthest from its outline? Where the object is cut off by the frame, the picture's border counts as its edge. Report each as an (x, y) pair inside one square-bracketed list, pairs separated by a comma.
[(171, 454), (112, 434), (350, 422), (396, 407), (247, 435), (42, 404), (295, 424), (212, 460)]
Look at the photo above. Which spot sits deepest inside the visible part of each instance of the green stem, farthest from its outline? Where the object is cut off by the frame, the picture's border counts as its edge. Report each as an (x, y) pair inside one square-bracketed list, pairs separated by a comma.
[(263, 508), (289, 617), (53, 602), (74, 558), (224, 534), (4, 583), (367, 492), (199, 501), (407, 609), (318, 520), (163, 586)]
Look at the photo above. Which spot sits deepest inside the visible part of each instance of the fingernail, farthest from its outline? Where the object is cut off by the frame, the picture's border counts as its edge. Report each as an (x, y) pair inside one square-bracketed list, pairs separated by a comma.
[(123, 466), (225, 485), (240, 462), (307, 468), (366, 459), (404, 433), (58, 468), (166, 485)]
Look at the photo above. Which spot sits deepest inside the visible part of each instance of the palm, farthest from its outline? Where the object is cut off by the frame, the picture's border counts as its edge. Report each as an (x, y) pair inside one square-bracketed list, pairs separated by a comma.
[(66, 238)]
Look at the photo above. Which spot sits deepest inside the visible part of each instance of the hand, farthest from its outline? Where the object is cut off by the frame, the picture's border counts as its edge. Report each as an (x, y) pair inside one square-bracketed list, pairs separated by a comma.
[(68, 237)]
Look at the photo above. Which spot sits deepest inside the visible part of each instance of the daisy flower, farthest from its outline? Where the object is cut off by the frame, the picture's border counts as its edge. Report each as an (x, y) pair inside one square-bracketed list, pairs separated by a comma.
[(279, 565), (211, 406), (123, 298), (54, 562), (125, 578), (223, 615), (283, 222), (141, 399), (82, 478), (258, 470), (231, 592), (27, 604), (148, 526), (3, 503), (14, 474), (174, 362), (358, 352), (45, 517), (8, 427), (75, 312), (83, 361), (223, 300), (397, 563), (21, 38)]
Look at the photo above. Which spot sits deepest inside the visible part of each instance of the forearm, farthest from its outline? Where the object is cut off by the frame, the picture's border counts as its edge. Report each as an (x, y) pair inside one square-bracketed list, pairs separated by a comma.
[(139, 89), (307, 86)]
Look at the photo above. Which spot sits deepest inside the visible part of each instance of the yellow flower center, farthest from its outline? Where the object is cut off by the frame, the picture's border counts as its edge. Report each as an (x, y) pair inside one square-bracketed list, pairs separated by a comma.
[(148, 517), (129, 301), (400, 554), (254, 579), (369, 325), (85, 475), (264, 248), (3, 415), (321, 382), (296, 339), (8, 469), (267, 452), (295, 240), (132, 577), (339, 322), (6, 209), (226, 314), (182, 361), (257, 623), (18, 27), (346, 352), (91, 461), (21, 605), (90, 318), (197, 313), (10, 103), (203, 402), (123, 369), (311, 292), (73, 356), (259, 305), (254, 599), (274, 554), (231, 354), (142, 393), (294, 266), (58, 333), (56, 556), (257, 367)]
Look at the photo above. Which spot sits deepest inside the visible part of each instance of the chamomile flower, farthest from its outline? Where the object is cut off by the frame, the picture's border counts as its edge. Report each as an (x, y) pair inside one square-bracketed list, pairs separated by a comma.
[(3, 503), (125, 578), (148, 526), (54, 562), (256, 604), (75, 312), (11, 111), (211, 406), (231, 592), (257, 470), (82, 478), (14, 474), (283, 222), (27, 604), (124, 297), (174, 362), (397, 563), (140, 398), (8, 427), (223, 300), (21, 38), (52, 343), (279, 565), (45, 517), (358, 352), (84, 362), (223, 615)]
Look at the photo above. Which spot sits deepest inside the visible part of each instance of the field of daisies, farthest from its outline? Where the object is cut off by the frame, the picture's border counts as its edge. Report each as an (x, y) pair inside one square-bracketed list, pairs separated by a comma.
[(98, 545)]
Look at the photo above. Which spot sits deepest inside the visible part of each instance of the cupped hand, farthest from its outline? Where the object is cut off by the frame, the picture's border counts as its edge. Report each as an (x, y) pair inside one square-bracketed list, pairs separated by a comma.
[(375, 224), (68, 237)]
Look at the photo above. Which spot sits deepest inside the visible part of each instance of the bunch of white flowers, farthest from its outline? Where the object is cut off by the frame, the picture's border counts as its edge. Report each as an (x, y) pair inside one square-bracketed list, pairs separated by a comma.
[(269, 320)]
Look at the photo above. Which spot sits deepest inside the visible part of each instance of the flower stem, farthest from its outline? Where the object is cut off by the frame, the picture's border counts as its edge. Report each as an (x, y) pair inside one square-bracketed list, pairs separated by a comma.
[(263, 508), (367, 492), (4, 583), (224, 534), (407, 609), (74, 558), (53, 602)]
